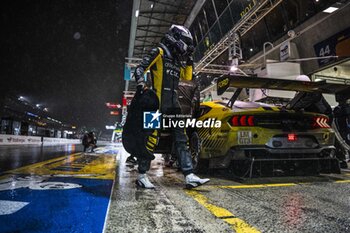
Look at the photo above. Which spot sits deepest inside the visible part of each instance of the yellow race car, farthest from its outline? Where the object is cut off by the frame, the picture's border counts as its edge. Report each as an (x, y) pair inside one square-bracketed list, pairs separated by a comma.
[(273, 139), (257, 139)]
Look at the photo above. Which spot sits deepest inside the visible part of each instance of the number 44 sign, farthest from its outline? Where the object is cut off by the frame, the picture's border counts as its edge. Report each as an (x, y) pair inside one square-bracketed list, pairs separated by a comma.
[(336, 45)]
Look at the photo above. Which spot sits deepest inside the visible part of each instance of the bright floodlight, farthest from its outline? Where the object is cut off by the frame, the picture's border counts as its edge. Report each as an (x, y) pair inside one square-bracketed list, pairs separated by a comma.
[(330, 9), (233, 68), (37, 105)]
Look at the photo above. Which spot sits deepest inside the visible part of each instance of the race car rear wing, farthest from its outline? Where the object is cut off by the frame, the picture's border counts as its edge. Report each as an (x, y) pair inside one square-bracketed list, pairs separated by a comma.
[(341, 91)]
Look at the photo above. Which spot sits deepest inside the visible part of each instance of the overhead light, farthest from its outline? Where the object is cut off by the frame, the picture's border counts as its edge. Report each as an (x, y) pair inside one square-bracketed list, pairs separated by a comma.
[(233, 68), (251, 50), (234, 64), (37, 105), (137, 13), (330, 9), (152, 5)]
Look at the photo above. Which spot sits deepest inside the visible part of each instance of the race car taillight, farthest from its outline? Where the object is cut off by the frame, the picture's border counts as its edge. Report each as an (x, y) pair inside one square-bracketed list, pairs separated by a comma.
[(320, 122), (242, 120), (292, 137)]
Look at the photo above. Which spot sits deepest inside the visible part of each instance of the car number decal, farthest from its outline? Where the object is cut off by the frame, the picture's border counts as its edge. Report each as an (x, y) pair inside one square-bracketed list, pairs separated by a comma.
[(244, 137)]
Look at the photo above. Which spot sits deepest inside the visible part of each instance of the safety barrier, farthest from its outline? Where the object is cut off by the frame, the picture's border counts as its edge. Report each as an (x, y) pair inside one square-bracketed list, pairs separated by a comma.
[(54, 141), (6, 139)]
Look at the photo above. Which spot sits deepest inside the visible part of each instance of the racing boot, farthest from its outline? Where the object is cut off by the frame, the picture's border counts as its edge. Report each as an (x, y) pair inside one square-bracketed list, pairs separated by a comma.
[(143, 182), (193, 181), (131, 160)]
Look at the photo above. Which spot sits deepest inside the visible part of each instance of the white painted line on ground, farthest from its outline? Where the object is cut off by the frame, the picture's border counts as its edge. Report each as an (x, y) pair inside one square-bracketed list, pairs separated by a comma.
[(10, 207)]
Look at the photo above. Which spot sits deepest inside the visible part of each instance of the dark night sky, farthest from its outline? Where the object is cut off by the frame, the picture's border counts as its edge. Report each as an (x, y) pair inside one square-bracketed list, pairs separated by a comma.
[(67, 55)]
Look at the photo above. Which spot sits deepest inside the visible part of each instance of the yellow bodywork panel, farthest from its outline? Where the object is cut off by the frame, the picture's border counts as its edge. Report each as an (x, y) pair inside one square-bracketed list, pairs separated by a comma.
[(216, 142)]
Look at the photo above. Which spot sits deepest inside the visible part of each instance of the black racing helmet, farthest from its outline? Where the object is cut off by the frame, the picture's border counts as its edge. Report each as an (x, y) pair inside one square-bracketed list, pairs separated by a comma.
[(183, 37)]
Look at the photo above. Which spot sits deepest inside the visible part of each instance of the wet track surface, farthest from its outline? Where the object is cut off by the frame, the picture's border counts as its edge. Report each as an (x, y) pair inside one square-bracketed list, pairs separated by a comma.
[(12, 157), (288, 204), (60, 189)]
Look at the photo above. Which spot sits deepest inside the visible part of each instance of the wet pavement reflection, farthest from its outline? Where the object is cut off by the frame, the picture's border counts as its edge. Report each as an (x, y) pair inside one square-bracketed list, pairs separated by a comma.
[(279, 204), (57, 190), (45, 189), (12, 157)]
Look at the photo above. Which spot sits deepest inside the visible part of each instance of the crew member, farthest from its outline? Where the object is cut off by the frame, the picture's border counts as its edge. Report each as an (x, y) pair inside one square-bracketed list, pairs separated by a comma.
[(311, 101), (314, 102), (168, 63), (189, 97)]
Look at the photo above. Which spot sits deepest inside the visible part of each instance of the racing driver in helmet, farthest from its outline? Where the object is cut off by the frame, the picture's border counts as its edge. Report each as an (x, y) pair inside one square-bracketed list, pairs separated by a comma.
[(168, 63)]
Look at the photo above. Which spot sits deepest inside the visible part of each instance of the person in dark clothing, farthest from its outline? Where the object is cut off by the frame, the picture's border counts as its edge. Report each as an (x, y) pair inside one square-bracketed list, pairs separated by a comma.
[(85, 141), (189, 100), (92, 140), (310, 101), (89, 140), (189, 97), (342, 119), (131, 160), (342, 123), (315, 102), (166, 65)]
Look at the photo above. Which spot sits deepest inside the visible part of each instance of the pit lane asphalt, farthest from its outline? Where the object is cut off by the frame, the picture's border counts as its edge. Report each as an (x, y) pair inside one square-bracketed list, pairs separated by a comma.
[(12, 157), (289, 204)]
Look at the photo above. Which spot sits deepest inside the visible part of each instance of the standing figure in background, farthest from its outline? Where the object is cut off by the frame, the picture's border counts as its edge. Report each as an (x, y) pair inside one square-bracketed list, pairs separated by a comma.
[(310, 101), (89, 140), (315, 102), (85, 141)]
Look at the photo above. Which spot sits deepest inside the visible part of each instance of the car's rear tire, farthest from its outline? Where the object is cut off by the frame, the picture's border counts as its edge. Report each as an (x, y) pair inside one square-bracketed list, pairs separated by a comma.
[(240, 168)]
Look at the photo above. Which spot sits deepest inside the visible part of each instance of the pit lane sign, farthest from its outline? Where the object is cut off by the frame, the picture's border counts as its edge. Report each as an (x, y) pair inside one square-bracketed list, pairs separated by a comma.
[(285, 51)]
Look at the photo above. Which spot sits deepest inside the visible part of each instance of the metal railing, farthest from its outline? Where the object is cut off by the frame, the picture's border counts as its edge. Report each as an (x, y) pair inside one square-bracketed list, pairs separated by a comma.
[(260, 10)]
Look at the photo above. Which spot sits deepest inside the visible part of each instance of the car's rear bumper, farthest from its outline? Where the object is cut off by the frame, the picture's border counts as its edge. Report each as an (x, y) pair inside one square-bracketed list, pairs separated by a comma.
[(322, 159), (288, 151)]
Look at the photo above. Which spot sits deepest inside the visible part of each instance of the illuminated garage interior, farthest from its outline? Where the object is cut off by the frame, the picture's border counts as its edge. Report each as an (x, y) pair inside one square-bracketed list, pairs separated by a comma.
[(253, 39)]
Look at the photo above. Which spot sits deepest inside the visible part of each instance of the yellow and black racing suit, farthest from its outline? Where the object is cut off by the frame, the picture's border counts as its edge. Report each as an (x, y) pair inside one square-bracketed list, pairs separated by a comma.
[(166, 71), (189, 97)]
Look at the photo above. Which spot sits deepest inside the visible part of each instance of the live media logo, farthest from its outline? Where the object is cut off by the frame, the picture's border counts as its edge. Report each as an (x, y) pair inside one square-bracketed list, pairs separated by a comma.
[(151, 120)]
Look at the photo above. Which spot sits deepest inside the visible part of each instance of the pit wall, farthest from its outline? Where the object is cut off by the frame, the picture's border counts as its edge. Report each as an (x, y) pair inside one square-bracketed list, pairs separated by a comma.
[(6, 139)]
